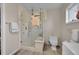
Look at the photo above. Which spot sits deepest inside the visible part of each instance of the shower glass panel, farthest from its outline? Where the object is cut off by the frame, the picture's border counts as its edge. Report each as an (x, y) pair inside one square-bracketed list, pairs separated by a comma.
[(35, 28), (32, 27)]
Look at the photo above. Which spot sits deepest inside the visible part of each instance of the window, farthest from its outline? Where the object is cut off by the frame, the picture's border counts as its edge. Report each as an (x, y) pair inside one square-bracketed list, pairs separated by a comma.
[(71, 13)]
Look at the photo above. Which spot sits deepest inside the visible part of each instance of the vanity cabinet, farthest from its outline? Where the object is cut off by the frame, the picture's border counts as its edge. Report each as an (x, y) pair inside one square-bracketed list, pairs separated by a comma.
[(70, 48)]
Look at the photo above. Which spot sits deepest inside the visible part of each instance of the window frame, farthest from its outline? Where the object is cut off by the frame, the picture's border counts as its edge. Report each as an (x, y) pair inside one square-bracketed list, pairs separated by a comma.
[(67, 13)]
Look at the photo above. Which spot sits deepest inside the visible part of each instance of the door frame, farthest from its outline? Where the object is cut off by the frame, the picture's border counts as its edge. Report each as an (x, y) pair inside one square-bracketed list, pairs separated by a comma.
[(3, 28)]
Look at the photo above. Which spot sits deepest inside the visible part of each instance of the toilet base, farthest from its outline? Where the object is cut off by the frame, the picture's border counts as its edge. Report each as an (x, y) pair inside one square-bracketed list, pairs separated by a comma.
[(53, 48)]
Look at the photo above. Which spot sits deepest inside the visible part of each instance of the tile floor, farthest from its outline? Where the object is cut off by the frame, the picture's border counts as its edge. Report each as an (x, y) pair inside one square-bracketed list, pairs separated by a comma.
[(47, 51)]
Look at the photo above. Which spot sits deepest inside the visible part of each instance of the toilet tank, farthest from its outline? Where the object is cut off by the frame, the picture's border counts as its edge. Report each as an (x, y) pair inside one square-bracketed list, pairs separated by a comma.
[(75, 35)]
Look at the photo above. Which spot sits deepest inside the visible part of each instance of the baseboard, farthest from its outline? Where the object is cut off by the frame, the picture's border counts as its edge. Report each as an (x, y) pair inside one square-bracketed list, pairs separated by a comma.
[(14, 51)]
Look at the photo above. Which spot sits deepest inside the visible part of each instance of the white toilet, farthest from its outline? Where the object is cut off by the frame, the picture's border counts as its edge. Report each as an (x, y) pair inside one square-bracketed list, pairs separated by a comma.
[(53, 40)]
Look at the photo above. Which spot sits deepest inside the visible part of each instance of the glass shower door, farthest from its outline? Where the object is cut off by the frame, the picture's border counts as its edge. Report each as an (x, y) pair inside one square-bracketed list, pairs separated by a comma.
[(31, 29), (35, 27)]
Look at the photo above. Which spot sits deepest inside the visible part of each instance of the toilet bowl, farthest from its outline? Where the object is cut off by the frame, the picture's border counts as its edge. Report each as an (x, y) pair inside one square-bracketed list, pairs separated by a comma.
[(53, 42)]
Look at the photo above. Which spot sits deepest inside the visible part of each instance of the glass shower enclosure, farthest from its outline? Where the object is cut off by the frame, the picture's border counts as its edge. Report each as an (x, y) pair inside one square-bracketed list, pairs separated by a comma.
[(32, 28)]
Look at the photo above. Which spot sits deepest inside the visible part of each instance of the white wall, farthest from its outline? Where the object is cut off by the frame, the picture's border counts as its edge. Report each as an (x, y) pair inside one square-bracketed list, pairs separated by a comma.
[(11, 40), (52, 25), (65, 30)]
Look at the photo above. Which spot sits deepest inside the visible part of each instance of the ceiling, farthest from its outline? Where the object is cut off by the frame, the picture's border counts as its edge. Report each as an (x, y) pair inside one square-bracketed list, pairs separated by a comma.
[(42, 5)]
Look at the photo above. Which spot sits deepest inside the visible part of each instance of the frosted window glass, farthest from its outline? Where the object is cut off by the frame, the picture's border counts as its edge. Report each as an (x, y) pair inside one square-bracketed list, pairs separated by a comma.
[(72, 13)]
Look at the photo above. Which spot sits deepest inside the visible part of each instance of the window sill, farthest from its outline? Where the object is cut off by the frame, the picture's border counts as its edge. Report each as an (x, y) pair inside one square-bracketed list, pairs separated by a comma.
[(72, 22)]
